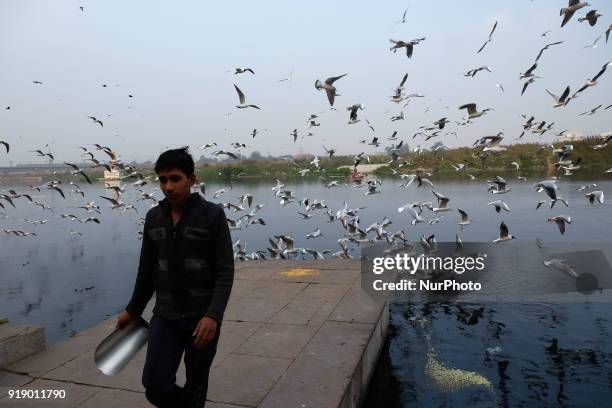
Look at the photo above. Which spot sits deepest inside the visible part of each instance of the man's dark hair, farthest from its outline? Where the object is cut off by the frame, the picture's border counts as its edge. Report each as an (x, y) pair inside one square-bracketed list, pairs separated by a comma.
[(175, 159)]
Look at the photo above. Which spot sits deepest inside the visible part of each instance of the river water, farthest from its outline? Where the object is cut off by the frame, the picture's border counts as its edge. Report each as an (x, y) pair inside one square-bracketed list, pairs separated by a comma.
[(70, 282)]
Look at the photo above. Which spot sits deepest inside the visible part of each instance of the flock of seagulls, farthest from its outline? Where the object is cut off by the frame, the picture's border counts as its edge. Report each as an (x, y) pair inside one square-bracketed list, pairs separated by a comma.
[(245, 212)]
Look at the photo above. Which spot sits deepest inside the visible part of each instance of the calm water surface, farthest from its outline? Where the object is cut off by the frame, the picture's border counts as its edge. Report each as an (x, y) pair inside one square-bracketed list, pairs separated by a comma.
[(43, 281)]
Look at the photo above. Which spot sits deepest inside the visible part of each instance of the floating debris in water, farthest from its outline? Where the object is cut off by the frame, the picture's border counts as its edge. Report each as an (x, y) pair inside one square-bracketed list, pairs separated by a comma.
[(494, 350), (452, 379)]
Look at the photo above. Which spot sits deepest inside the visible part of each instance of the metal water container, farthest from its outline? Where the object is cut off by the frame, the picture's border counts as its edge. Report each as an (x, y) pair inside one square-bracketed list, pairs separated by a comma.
[(119, 347)]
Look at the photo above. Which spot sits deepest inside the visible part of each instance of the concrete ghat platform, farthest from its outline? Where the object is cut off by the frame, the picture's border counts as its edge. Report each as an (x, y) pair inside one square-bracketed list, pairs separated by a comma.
[(295, 334)]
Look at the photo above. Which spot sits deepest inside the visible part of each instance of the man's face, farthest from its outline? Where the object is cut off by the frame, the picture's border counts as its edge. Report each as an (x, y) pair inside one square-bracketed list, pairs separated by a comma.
[(175, 184)]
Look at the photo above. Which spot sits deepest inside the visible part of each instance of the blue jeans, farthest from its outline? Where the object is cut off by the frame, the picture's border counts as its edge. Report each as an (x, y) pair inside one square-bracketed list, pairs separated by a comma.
[(168, 339)]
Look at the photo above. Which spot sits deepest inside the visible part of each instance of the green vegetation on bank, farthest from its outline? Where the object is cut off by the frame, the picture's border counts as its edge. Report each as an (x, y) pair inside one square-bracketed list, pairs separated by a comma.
[(532, 157)]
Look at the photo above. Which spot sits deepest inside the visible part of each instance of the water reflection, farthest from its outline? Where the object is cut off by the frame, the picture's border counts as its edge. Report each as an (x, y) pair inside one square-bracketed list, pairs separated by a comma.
[(546, 354)]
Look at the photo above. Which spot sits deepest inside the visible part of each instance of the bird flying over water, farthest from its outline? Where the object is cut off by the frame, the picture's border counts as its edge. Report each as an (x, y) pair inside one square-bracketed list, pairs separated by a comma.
[(561, 221), (504, 234)]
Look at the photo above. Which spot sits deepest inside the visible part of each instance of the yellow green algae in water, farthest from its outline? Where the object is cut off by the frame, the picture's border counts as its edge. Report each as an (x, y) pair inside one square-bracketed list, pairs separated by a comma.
[(449, 379), (452, 379), (300, 272)]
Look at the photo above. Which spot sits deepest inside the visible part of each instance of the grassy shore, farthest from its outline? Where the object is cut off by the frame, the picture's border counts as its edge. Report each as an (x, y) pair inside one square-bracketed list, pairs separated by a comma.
[(532, 157)]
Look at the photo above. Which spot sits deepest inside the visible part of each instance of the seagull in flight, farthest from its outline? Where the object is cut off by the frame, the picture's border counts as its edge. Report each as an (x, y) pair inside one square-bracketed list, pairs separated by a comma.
[(591, 17), (56, 188), (472, 111), (594, 45), (403, 20), (593, 81), (560, 100), (243, 70), (227, 153), (473, 72), (207, 145), (498, 186), (353, 112), (329, 152), (489, 39), (526, 84), (591, 112), (504, 234), (315, 234), (442, 202), (529, 72), (329, 87), (546, 47), (465, 220), (550, 188), (78, 170), (286, 79), (595, 195), (116, 203), (572, 7), (41, 154), (370, 125), (242, 100), (561, 220), (500, 205), (561, 265), (95, 120), (409, 45)]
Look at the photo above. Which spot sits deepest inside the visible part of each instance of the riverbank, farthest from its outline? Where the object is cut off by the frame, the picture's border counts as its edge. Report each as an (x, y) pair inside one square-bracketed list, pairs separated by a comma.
[(295, 334), (533, 158)]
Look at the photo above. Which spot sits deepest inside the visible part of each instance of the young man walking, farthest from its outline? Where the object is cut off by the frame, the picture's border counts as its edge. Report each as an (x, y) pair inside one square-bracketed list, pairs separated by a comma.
[(187, 259)]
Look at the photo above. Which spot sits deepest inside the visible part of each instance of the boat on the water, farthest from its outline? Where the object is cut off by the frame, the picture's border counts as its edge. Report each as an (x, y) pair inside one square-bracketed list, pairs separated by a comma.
[(356, 176)]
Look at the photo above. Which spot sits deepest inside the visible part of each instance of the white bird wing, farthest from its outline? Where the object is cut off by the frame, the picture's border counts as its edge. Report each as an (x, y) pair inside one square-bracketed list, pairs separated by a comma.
[(555, 97), (240, 95)]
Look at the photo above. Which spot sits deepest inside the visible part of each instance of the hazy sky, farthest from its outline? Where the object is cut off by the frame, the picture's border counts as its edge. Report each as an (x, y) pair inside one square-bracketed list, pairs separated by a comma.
[(173, 57)]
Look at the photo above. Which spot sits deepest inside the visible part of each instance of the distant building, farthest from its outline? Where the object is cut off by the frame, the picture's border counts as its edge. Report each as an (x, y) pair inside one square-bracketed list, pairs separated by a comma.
[(605, 134), (570, 137), (114, 174)]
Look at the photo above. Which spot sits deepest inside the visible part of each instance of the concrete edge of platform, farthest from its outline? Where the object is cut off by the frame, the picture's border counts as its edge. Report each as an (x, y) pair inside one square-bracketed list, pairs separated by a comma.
[(18, 341), (357, 387), (349, 358)]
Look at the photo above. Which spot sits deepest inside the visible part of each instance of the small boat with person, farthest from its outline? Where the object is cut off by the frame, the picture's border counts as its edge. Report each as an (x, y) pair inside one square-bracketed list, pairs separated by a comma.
[(356, 176)]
